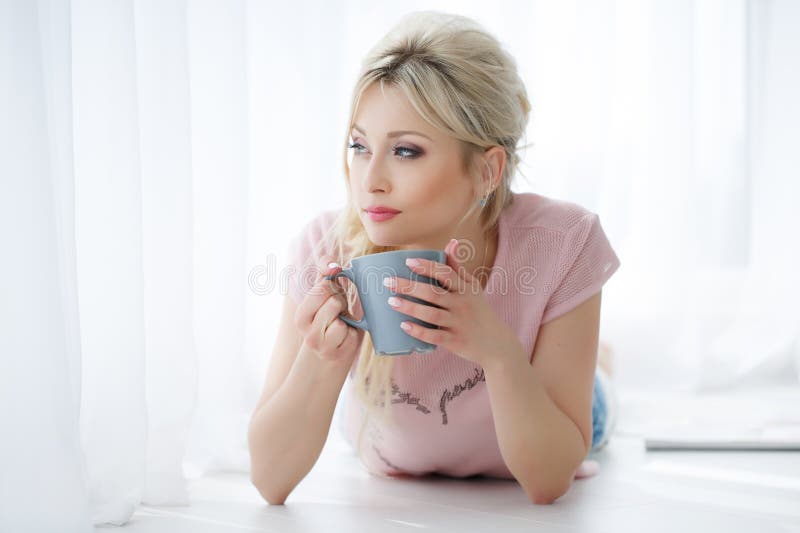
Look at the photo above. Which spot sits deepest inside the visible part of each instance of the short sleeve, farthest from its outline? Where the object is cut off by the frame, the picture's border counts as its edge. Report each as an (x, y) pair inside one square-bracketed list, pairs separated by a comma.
[(586, 262), (303, 255), (298, 260)]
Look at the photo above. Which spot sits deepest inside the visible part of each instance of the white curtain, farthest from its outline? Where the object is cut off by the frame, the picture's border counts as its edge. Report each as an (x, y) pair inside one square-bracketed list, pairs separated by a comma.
[(156, 158)]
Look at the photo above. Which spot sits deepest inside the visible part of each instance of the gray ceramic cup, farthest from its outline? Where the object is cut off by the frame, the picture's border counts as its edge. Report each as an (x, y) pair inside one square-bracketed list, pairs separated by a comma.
[(381, 320)]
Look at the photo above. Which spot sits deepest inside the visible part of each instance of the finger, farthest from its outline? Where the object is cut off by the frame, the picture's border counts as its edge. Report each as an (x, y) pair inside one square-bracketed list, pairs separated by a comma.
[(426, 313), (329, 310), (424, 291), (321, 290), (328, 267), (443, 273), (429, 335), (328, 313), (337, 333), (348, 334), (451, 256), (339, 308)]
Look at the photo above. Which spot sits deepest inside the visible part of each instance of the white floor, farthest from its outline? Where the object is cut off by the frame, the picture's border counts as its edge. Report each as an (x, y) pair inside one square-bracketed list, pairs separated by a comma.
[(636, 490)]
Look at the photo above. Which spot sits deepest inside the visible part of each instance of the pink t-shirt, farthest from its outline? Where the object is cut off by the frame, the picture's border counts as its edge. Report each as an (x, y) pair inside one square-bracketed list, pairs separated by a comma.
[(552, 255)]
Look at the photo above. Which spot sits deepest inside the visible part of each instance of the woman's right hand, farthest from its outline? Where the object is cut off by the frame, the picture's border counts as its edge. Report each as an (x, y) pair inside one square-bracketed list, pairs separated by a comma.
[(317, 319)]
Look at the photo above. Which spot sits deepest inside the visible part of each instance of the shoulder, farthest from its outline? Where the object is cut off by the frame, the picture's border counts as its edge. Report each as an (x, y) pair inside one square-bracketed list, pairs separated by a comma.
[(532, 210), (316, 228), (317, 224), (312, 239), (552, 234), (314, 236)]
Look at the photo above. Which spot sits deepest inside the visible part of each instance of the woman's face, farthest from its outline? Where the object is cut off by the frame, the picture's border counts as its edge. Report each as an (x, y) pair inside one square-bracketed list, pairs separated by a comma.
[(418, 172)]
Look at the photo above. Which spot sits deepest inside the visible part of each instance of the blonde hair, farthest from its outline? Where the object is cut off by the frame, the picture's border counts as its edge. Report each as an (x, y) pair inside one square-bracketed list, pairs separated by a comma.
[(461, 81)]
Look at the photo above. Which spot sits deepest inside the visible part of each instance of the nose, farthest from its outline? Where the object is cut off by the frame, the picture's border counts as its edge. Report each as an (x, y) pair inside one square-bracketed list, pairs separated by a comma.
[(376, 177)]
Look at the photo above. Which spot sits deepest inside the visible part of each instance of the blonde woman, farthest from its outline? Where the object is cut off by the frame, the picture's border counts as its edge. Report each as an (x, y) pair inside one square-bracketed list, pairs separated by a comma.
[(513, 389)]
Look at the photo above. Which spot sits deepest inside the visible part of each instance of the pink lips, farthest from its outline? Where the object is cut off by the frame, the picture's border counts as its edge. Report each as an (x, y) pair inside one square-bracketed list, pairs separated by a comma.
[(379, 213), (378, 216)]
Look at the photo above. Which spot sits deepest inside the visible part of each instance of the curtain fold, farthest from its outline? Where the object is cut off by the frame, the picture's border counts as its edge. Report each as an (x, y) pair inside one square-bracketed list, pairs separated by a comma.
[(219, 131), (108, 223), (41, 460), (167, 192), (156, 158)]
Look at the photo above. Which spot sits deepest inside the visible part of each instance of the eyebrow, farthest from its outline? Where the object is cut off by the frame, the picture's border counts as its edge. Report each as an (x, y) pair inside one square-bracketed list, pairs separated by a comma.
[(394, 133)]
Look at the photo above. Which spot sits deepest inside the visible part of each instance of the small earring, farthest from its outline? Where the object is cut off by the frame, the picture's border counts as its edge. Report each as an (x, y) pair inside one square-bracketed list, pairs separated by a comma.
[(483, 200)]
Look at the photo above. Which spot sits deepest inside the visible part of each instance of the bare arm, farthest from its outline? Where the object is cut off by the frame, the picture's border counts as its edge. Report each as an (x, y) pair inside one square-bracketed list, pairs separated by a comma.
[(542, 411), (288, 432), (313, 353), (540, 444)]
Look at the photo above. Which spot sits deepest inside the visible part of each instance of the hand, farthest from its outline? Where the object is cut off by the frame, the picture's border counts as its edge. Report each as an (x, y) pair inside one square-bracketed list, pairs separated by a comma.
[(317, 319), (469, 327)]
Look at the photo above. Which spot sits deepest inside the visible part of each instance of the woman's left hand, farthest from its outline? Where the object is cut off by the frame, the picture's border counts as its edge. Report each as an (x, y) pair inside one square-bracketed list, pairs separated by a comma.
[(468, 326)]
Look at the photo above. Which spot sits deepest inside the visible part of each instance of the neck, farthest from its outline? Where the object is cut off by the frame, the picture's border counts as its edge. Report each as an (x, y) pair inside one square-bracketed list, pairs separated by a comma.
[(476, 250), (484, 254)]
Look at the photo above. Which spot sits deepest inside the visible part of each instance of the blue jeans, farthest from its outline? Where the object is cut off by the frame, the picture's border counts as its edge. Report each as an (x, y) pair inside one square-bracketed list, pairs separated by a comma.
[(600, 405)]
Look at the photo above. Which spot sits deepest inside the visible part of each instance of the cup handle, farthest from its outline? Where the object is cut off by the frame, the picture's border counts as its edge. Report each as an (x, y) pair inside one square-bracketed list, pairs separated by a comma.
[(361, 324)]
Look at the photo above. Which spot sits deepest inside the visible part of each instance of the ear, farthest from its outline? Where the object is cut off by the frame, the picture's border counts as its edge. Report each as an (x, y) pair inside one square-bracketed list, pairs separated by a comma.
[(495, 164)]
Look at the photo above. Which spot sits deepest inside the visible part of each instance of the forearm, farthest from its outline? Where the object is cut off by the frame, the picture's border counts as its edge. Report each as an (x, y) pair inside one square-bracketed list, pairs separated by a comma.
[(287, 433), (540, 444)]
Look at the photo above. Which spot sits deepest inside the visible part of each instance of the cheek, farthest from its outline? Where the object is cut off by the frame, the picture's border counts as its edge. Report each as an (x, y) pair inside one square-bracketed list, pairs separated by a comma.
[(444, 186), (426, 193), (425, 183)]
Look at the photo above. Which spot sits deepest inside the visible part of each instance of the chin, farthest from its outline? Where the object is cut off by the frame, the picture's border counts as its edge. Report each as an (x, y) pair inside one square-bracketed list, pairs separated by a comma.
[(382, 242), (381, 238)]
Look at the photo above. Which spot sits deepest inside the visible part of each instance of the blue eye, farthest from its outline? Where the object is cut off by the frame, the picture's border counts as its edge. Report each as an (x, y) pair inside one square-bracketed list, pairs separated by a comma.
[(412, 153), (399, 150), (355, 145)]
